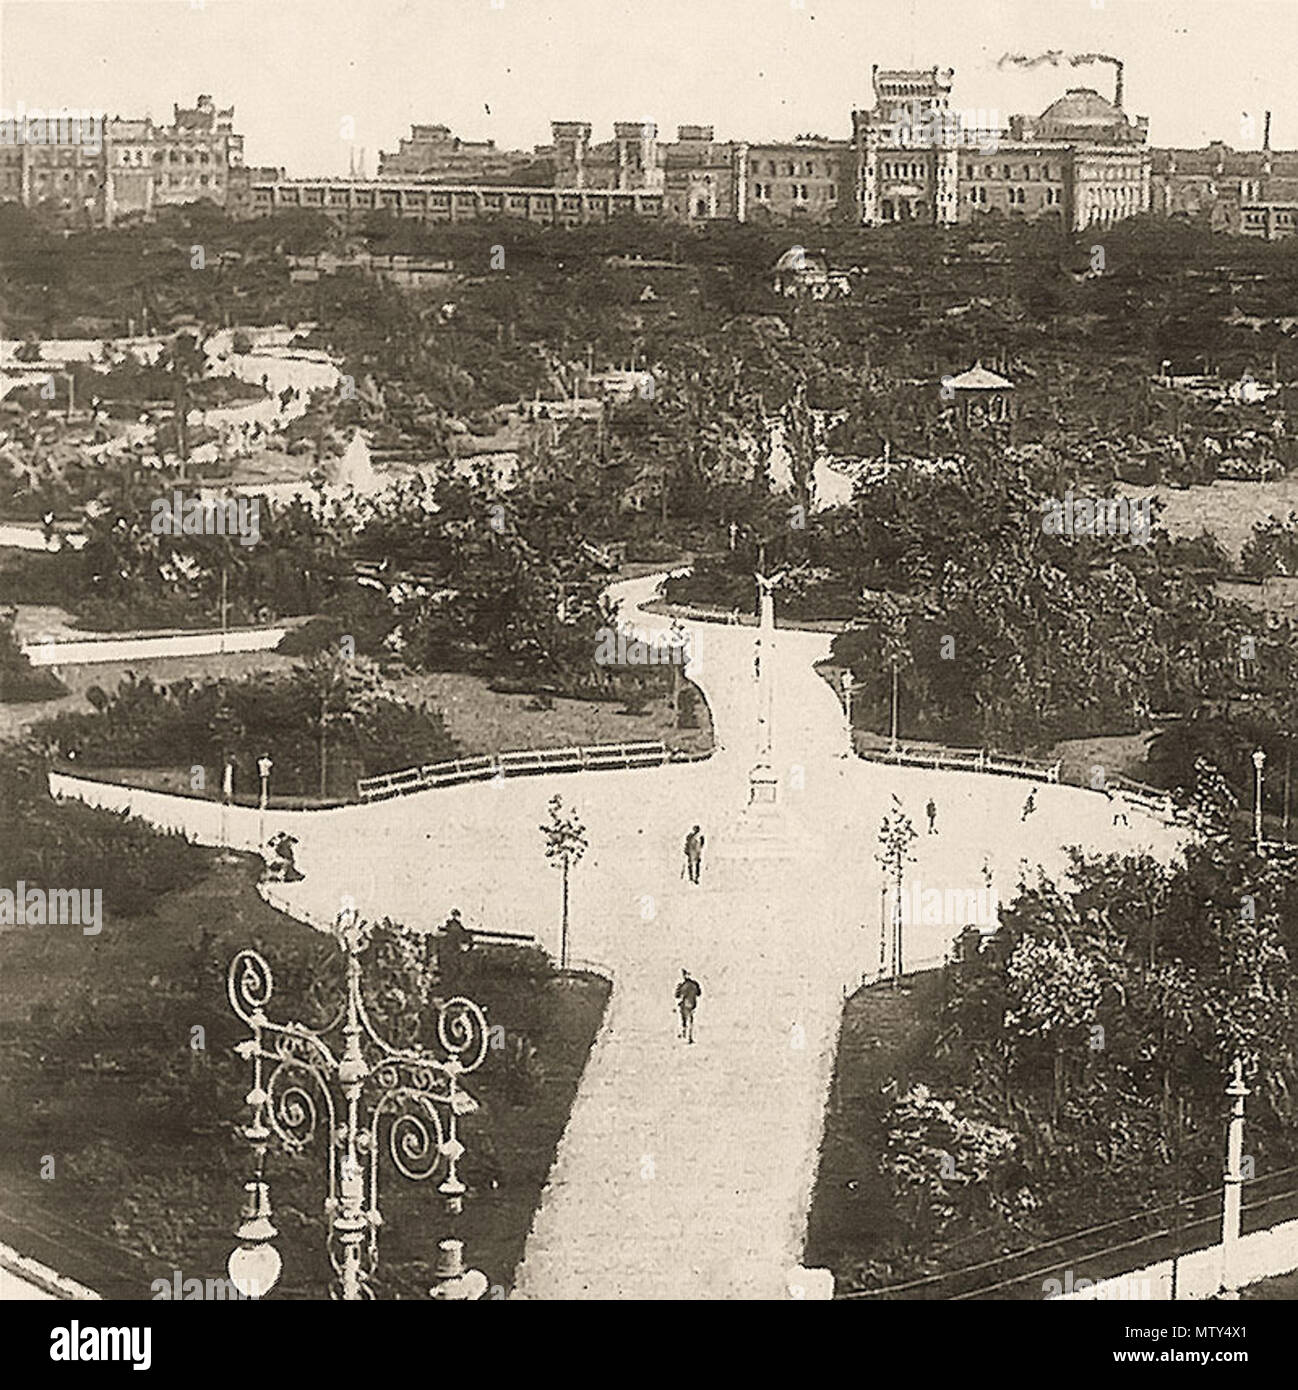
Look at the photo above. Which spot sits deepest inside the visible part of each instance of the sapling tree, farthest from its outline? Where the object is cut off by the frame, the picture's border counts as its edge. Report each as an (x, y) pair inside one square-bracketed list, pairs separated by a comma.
[(565, 843)]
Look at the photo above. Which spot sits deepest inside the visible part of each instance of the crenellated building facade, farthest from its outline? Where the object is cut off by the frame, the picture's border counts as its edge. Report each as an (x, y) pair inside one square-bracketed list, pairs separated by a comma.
[(132, 166), (910, 157)]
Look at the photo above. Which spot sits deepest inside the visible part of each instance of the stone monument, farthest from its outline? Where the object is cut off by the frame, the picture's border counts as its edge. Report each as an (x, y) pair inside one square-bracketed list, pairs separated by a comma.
[(762, 829)]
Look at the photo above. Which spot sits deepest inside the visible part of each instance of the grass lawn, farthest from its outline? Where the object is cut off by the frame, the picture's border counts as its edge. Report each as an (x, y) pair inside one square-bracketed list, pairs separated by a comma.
[(886, 1037), (488, 721), (15, 718), (1228, 510), (105, 1088), (1123, 754), (480, 720)]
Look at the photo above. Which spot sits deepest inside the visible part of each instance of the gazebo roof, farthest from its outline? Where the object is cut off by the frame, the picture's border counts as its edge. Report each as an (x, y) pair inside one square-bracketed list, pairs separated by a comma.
[(978, 378)]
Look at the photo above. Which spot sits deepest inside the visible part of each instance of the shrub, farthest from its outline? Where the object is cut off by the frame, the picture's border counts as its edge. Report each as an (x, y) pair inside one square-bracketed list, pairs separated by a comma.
[(19, 679)]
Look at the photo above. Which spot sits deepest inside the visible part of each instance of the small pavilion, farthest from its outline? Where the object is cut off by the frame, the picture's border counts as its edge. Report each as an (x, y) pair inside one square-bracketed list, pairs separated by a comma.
[(981, 395)]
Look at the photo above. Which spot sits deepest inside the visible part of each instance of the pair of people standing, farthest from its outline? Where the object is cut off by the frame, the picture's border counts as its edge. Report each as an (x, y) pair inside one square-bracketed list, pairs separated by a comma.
[(689, 989)]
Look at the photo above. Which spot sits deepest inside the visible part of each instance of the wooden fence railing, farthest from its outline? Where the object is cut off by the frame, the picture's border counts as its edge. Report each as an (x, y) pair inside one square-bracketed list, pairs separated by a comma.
[(965, 759), (1152, 799), (520, 763)]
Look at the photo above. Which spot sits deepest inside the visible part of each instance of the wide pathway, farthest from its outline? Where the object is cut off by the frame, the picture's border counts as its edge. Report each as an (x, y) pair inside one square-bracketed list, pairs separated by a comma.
[(686, 1171)]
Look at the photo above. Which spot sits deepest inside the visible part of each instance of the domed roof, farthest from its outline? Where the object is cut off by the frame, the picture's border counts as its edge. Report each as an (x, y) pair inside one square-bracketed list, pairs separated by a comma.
[(795, 258), (1083, 106)]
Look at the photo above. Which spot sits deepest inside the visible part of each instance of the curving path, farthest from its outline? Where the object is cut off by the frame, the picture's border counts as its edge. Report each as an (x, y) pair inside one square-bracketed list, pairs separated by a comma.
[(687, 1171)]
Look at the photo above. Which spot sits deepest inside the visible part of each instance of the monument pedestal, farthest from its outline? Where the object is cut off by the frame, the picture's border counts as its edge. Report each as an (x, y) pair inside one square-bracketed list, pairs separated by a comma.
[(763, 830)]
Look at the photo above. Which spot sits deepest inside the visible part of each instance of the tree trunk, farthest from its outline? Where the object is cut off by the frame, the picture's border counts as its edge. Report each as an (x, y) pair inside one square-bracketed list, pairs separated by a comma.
[(563, 939)]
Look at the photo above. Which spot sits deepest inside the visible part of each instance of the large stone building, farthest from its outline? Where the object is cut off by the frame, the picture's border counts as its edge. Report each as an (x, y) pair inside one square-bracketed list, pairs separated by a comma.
[(808, 179), (703, 178), (1083, 161), (1245, 192), (909, 158), (132, 166), (433, 151)]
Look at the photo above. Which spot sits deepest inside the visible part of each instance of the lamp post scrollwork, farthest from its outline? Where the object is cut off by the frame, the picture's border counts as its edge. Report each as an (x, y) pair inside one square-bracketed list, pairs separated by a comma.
[(370, 1098)]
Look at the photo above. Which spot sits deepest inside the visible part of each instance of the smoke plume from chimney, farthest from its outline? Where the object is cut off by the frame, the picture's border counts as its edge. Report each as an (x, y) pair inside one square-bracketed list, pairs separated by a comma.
[(1055, 56)]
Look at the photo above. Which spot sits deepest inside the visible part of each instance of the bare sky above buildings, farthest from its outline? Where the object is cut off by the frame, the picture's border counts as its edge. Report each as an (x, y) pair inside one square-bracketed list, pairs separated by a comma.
[(295, 70)]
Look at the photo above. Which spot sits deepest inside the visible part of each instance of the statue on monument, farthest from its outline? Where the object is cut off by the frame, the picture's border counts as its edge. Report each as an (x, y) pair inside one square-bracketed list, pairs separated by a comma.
[(762, 781)]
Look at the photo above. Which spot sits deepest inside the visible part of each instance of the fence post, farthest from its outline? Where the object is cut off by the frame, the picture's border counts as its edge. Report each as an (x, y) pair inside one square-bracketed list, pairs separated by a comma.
[(1228, 1287)]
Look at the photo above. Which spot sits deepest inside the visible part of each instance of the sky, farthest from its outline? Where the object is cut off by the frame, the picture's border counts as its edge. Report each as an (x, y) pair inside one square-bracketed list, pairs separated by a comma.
[(301, 74)]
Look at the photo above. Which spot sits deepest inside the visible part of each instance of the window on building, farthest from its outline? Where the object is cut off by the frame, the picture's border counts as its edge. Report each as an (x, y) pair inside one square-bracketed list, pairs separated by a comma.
[(833, 192)]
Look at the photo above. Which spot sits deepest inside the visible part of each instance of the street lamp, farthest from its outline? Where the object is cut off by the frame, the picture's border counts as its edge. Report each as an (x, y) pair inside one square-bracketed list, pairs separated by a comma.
[(846, 680), (301, 1075), (227, 796), (264, 765), (1259, 758), (892, 747), (255, 1264)]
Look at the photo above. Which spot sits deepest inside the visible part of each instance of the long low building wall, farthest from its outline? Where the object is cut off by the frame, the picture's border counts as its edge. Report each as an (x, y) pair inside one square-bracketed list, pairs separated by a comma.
[(425, 202)]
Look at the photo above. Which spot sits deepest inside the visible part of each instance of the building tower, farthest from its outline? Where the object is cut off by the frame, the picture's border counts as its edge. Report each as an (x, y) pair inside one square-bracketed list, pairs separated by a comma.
[(637, 155), (571, 141), (907, 147)]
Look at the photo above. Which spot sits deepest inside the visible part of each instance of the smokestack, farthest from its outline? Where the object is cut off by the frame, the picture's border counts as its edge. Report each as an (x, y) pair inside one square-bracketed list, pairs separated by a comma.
[(1117, 86), (1266, 132)]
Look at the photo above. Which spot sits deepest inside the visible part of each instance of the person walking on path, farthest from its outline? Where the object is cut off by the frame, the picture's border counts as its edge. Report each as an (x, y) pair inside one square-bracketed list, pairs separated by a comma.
[(694, 853), (687, 998), (931, 808), (1118, 806), (1030, 804)]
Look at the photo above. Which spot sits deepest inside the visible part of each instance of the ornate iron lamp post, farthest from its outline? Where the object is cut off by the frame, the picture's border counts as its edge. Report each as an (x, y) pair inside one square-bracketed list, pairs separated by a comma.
[(302, 1076)]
